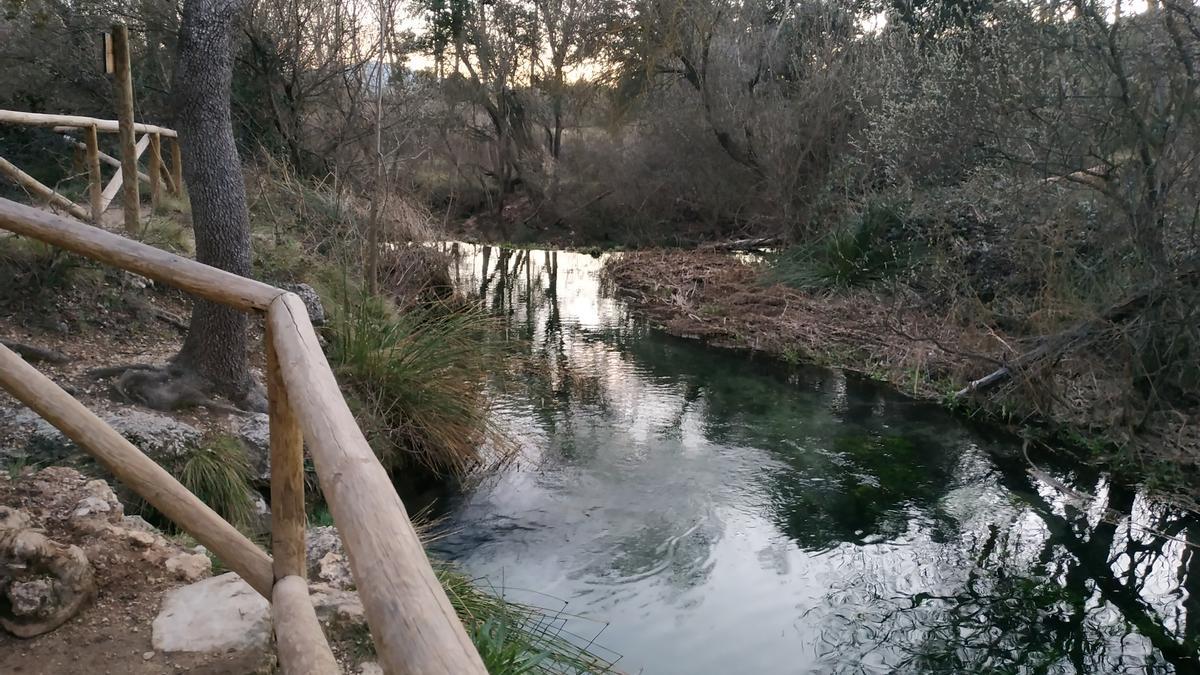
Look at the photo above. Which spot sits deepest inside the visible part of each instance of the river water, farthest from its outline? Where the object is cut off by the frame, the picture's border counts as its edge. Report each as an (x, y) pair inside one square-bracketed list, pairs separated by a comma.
[(708, 512)]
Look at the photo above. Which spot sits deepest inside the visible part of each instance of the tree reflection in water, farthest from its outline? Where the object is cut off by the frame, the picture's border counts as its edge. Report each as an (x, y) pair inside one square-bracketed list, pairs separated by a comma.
[(940, 550)]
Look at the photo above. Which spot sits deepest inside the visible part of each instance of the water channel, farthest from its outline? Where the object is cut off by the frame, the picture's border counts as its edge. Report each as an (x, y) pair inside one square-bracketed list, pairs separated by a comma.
[(711, 512)]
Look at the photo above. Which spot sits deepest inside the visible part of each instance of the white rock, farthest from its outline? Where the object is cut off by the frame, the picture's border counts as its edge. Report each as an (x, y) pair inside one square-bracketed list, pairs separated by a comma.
[(98, 503), (140, 538), (334, 569), (189, 566), (370, 668), (138, 523), (217, 615), (158, 435), (321, 540), (31, 598), (12, 519), (335, 607), (327, 559)]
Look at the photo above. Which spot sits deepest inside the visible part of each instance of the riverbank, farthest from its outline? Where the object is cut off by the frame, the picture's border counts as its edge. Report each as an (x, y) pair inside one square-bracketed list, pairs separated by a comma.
[(898, 337)]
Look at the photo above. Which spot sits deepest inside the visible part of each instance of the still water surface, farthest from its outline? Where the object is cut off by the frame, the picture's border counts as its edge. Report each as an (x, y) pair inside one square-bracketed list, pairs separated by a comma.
[(709, 512)]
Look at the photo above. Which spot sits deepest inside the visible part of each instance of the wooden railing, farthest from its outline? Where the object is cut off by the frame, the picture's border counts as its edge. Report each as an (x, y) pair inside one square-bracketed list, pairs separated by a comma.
[(100, 195), (413, 625)]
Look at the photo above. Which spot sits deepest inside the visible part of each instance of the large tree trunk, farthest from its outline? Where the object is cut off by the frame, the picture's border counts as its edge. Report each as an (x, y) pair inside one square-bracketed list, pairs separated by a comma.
[(216, 341)]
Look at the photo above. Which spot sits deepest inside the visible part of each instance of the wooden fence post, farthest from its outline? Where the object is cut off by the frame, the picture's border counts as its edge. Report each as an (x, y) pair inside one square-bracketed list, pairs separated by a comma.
[(123, 83), (299, 640), (177, 166), (155, 171), (287, 473), (95, 189)]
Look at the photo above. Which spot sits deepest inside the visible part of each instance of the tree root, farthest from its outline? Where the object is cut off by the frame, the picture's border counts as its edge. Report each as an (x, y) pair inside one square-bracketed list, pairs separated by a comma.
[(171, 388), (31, 353)]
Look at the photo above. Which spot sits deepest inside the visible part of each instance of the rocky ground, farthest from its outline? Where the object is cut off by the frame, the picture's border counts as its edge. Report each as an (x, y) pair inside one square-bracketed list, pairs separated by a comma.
[(87, 586), (148, 603)]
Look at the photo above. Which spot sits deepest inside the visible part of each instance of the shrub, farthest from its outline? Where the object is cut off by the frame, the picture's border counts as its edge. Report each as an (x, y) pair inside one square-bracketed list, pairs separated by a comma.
[(870, 249), (419, 375), (219, 474)]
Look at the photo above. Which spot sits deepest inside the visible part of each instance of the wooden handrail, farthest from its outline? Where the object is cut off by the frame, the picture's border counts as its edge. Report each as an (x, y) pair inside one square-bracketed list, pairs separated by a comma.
[(207, 282), (414, 626), (77, 122), (135, 469), (43, 191)]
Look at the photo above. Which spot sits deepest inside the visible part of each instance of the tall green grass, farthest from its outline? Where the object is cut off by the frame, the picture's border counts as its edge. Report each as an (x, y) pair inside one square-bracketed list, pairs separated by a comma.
[(867, 250), (219, 474), (419, 374), (516, 639)]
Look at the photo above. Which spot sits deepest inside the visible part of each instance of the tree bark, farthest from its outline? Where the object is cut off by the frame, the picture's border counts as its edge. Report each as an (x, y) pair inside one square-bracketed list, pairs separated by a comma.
[(215, 346)]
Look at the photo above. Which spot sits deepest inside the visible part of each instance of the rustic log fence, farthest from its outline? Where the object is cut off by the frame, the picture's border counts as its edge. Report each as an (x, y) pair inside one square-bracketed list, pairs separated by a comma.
[(414, 627), (100, 195)]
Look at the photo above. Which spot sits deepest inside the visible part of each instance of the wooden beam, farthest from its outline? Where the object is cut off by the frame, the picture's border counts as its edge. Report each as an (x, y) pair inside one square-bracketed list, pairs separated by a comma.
[(41, 191), (415, 628), (168, 181), (91, 146), (136, 470), (72, 122), (106, 158), (177, 167), (118, 179), (299, 640), (123, 86), (196, 278), (287, 474), (154, 168)]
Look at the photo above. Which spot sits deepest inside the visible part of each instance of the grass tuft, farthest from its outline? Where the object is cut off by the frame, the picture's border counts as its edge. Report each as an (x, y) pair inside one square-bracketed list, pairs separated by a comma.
[(419, 374), (219, 475), (867, 251), (514, 638)]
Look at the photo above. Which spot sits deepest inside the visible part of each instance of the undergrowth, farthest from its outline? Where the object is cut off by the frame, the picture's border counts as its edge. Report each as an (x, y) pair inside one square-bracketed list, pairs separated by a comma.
[(514, 638), (419, 375), (869, 249), (219, 474)]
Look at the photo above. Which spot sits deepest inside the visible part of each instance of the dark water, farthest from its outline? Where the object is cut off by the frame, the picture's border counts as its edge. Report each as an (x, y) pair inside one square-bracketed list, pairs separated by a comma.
[(717, 513)]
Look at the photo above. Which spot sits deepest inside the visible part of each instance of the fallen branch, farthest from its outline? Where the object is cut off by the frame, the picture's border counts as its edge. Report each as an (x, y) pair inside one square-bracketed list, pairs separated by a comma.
[(1083, 333)]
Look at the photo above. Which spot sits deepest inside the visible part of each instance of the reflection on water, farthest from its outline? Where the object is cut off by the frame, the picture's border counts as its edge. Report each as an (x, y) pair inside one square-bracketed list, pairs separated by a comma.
[(728, 515)]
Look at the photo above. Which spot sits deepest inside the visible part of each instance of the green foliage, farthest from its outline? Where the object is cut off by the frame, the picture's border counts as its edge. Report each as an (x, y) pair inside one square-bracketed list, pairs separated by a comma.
[(168, 232), (514, 638), (869, 250), (219, 475), (419, 375), (320, 517), (502, 650)]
